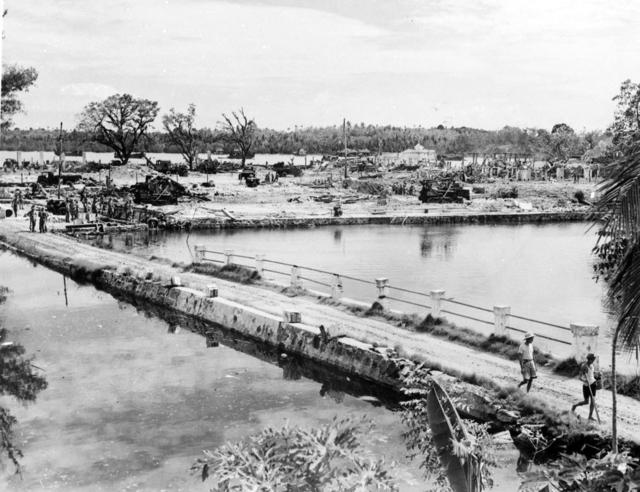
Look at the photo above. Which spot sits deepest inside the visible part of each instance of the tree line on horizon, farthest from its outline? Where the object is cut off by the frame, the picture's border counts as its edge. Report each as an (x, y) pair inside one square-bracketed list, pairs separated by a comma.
[(560, 142)]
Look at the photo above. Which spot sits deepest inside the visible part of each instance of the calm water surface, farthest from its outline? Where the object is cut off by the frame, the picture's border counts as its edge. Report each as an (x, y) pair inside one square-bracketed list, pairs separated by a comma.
[(130, 405)]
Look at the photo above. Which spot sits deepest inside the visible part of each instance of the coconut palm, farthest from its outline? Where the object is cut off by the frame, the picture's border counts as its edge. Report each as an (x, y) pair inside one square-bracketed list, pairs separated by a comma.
[(618, 213), (618, 251)]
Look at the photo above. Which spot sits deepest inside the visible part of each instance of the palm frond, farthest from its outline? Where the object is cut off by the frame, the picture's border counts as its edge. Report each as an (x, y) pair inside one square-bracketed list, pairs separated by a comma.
[(618, 247)]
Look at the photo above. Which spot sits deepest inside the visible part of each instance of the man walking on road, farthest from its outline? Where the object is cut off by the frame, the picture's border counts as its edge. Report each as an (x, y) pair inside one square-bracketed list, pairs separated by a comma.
[(527, 366), (589, 385)]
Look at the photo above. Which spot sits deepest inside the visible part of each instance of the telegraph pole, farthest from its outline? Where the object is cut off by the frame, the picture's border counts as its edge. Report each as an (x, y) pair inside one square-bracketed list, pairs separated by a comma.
[(344, 134), (1, 36), (60, 159)]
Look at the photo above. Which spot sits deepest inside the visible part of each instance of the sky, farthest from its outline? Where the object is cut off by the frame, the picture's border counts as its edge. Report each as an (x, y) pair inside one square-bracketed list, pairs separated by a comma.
[(476, 63)]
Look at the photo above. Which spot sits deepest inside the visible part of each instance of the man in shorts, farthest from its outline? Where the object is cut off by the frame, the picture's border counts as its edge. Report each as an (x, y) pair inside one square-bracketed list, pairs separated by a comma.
[(589, 385), (527, 365)]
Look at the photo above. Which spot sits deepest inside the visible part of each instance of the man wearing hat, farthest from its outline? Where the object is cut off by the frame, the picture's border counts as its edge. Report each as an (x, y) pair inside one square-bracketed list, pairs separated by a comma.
[(527, 366), (589, 385)]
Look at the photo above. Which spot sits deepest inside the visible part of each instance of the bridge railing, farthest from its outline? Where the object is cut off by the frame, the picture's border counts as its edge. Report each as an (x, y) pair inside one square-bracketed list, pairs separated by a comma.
[(497, 320)]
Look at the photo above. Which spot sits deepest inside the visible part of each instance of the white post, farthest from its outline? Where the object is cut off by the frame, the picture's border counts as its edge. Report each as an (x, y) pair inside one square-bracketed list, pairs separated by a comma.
[(500, 320), (382, 284), (436, 302), (175, 281), (19, 159), (336, 288), (228, 254), (211, 290), (41, 158), (296, 282), (198, 253), (292, 316), (84, 157), (585, 340), (260, 264)]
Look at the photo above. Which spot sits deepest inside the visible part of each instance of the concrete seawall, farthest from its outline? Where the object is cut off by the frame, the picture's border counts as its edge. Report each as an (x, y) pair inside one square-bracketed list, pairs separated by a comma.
[(391, 219)]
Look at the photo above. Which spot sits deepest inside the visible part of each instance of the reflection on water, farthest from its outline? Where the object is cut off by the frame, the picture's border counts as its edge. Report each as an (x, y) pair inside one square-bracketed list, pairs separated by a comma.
[(439, 242), (134, 399)]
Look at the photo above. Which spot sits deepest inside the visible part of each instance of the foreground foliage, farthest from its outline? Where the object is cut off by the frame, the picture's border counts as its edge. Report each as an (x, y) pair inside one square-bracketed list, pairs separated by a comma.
[(328, 458), (608, 473), (17, 379), (416, 382)]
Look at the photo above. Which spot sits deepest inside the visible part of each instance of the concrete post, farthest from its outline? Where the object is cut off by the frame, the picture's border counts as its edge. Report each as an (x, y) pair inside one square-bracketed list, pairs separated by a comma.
[(585, 340), (175, 282), (41, 158), (228, 255), (336, 288), (382, 284), (211, 290), (260, 264), (500, 320), (84, 158), (436, 302), (292, 316), (296, 281), (19, 159), (198, 253)]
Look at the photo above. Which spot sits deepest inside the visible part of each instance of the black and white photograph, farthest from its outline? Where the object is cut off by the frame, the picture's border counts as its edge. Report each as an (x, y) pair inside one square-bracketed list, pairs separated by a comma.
[(320, 246)]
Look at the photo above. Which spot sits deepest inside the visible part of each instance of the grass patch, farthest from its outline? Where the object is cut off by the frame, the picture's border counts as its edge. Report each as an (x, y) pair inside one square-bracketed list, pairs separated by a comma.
[(502, 346), (233, 272), (568, 367)]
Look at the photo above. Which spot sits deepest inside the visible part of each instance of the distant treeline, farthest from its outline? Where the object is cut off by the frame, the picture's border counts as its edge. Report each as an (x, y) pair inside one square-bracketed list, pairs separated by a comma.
[(559, 142)]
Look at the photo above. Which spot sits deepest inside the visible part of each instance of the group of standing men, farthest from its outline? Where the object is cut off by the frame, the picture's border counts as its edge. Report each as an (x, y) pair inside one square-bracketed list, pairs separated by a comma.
[(39, 215), (588, 375)]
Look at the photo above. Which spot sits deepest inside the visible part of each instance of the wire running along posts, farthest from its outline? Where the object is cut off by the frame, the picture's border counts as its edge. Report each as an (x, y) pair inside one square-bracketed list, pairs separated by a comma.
[(398, 299)]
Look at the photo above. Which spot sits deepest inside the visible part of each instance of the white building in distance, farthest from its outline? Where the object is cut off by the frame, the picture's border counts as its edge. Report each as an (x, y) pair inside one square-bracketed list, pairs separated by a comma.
[(418, 155)]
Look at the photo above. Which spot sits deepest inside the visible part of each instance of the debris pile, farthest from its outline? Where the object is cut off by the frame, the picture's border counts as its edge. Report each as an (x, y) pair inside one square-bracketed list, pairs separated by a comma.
[(158, 190)]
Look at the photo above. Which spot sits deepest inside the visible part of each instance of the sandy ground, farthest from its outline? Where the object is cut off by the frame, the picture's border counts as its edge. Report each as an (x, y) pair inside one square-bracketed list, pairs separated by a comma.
[(294, 197), (558, 392)]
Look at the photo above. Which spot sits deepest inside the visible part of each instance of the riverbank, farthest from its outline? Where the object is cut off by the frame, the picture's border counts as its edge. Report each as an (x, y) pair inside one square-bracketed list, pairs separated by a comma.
[(246, 305), (438, 217)]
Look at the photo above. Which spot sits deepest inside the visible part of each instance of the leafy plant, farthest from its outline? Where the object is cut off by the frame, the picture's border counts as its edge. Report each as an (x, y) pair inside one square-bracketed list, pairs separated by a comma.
[(17, 379), (607, 473), (328, 458), (416, 384)]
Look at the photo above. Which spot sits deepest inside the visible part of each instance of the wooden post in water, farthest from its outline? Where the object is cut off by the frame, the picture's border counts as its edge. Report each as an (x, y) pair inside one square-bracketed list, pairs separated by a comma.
[(60, 159)]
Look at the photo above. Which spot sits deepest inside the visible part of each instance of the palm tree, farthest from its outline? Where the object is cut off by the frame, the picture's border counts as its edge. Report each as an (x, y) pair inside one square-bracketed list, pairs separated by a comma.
[(618, 252)]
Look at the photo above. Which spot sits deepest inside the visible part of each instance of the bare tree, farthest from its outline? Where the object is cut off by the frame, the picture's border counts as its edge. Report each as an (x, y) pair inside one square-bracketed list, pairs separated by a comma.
[(241, 131), (182, 133), (119, 122)]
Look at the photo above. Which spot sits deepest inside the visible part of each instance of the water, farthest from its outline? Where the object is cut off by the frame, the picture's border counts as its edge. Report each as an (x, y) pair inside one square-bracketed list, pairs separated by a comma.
[(132, 401), (543, 271)]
